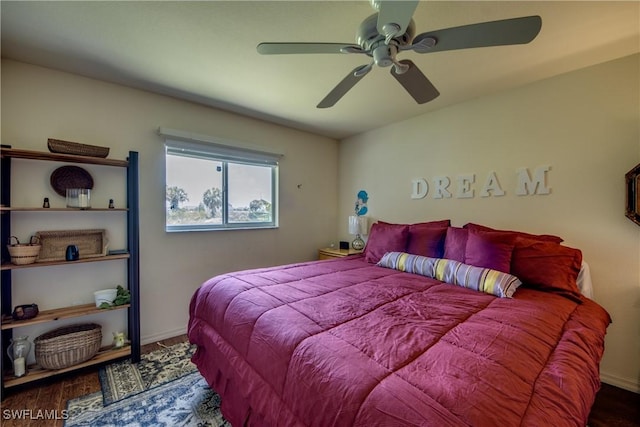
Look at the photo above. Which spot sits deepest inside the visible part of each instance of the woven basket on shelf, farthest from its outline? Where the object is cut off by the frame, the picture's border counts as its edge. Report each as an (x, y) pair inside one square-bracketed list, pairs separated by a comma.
[(91, 243), (68, 147), (23, 253), (68, 345)]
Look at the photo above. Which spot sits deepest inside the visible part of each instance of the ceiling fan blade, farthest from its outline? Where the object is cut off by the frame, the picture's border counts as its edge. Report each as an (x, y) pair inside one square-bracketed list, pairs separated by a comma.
[(493, 33), (291, 48), (418, 86), (397, 12), (344, 86)]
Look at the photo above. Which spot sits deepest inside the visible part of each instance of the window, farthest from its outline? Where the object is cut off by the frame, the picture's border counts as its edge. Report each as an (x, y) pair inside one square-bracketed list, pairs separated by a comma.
[(214, 186)]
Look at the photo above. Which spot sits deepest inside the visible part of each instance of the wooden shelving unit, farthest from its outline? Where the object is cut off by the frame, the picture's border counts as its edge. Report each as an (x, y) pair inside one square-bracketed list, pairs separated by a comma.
[(132, 258)]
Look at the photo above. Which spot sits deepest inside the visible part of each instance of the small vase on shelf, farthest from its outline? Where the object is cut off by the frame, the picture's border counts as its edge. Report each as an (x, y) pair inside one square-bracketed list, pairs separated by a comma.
[(18, 351)]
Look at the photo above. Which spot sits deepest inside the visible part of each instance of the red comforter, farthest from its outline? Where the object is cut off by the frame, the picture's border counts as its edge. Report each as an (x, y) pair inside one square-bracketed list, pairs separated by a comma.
[(347, 343)]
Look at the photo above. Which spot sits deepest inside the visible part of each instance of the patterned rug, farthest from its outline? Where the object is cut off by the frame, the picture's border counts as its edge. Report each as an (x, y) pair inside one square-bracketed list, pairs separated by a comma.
[(124, 379), (164, 389)]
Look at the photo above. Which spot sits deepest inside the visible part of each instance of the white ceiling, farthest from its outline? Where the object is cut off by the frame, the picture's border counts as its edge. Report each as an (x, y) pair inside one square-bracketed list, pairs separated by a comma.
[(206, 52)]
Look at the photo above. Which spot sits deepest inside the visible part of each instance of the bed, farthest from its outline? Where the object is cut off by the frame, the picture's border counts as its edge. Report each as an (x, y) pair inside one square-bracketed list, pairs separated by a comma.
[(430, 326)]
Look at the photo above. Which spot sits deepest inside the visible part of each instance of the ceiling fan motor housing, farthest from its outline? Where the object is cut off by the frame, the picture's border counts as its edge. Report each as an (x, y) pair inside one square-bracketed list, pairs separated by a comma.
[(368, 36)]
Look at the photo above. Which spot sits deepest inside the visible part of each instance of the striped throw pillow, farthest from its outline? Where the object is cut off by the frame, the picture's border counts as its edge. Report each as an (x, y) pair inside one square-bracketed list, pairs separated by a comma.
[(454, 272)]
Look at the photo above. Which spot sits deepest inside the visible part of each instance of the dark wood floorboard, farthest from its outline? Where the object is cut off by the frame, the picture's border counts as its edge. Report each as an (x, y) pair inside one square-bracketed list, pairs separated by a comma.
[(614, 407)]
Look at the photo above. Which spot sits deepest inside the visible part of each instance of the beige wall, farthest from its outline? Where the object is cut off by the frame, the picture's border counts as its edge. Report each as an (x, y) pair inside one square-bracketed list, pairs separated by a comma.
[(584, 124), (39, 103)]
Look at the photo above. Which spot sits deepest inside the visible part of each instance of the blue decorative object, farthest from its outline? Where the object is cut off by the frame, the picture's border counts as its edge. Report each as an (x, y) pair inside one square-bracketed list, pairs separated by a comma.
[(361, 203)]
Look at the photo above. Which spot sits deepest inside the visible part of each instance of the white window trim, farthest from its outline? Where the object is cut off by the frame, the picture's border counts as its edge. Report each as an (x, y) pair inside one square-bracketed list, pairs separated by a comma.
[(178, 142)]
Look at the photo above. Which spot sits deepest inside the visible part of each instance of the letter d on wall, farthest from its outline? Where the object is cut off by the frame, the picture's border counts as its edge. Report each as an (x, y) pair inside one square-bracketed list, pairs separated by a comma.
[(419, 188)]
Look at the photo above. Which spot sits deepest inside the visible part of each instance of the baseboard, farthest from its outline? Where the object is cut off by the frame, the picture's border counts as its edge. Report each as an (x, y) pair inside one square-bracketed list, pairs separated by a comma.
[(623, 383), (149, 339)]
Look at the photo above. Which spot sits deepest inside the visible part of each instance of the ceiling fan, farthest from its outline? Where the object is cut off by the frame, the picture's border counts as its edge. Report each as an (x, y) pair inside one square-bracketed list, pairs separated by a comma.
[(391, 30)]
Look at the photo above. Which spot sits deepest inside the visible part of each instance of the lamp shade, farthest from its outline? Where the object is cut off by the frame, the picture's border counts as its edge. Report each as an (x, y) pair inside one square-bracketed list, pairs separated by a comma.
[(357, 224)]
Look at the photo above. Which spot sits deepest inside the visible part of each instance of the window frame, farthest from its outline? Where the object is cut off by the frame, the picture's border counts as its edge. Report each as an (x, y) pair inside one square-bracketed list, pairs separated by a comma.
[(178, 143)]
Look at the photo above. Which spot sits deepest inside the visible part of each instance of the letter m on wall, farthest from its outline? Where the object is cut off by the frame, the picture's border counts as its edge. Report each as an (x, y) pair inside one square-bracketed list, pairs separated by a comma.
[(535, 185)]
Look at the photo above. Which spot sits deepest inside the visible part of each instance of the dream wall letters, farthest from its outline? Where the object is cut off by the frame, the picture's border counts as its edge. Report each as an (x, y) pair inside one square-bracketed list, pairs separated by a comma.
[(464, 186)]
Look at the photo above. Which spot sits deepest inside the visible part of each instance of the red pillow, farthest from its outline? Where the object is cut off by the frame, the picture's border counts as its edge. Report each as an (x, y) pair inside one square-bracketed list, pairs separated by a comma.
[(426, 240), (489, 250), (547, 266), (455, 243), (543, 237), (385, 238)]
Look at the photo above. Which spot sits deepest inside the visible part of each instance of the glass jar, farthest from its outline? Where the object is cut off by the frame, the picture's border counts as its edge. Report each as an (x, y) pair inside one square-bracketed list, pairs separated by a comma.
[(18, 351)]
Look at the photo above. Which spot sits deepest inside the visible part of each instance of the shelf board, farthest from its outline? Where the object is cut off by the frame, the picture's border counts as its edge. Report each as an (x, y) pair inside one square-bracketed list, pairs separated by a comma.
[(59, 314), (26, 209), (37, 373), (70, 158), (9, 266)]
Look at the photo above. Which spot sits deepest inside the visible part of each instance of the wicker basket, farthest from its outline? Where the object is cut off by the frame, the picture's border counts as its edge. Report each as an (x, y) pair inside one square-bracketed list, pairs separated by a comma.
[(68, 147), (23, 253), (91, 243), (68, 346)]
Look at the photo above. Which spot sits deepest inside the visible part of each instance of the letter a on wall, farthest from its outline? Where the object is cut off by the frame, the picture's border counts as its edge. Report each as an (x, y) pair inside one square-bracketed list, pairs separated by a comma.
[(491, 185)]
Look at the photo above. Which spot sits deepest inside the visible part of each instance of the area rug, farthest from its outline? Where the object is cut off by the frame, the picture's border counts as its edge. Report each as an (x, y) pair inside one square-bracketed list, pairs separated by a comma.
[(164, 389), (186, 401), (124, 379)]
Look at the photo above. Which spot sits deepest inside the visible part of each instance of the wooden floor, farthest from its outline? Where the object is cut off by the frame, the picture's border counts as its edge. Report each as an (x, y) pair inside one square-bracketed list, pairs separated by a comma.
[(613, 407)]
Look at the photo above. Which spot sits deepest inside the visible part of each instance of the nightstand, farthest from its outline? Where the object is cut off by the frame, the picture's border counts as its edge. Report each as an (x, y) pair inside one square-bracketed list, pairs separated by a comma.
[(331, 253)]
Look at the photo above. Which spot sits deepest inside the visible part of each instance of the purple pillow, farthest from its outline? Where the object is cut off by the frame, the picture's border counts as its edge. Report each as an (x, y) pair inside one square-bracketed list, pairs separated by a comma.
[(455, 243), (489, 250), (385, 238), (426, 240), (440, 223)]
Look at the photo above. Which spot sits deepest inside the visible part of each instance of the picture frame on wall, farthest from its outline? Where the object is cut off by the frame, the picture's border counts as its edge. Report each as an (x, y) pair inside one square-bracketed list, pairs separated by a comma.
[(632, 209)]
